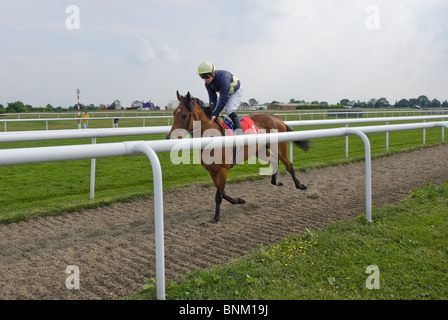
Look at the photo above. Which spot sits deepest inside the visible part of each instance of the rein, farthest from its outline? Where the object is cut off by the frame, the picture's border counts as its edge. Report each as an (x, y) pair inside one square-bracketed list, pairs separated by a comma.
[(204, 126)]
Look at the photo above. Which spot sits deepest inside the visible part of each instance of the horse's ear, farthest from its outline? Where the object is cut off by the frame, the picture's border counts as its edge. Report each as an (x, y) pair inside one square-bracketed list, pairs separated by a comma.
[(179, 97), (188, 96)]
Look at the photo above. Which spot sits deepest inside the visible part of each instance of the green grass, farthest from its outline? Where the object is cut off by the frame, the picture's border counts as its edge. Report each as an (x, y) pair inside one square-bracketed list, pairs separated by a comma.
[(53, 188), (406, 244)]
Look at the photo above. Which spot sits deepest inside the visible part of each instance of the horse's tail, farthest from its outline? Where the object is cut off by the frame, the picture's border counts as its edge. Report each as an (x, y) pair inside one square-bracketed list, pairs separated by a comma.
[(302, 144)]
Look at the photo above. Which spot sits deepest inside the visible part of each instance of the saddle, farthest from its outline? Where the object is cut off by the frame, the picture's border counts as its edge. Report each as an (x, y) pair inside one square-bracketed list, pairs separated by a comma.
[(247, 125)]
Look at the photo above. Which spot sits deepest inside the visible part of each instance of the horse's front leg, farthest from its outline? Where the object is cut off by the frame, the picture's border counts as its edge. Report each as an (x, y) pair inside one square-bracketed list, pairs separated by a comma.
[(275, 181), (219, 176), (218, 200), (233, 200)]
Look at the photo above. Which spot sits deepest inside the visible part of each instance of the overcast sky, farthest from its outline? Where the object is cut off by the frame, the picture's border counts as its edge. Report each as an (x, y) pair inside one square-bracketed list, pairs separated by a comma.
[(324, 50)]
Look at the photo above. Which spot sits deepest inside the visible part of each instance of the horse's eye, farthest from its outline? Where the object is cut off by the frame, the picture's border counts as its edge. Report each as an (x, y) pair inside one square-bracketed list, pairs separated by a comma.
[(184, 116)]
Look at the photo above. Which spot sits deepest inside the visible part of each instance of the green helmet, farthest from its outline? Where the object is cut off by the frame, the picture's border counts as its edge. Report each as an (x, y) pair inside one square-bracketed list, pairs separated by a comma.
[(206, 67)]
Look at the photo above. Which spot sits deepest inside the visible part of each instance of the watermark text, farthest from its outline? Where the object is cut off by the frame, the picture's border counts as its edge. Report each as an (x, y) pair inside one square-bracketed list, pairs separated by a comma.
[(373, 19), (72, 281), (72, 22)]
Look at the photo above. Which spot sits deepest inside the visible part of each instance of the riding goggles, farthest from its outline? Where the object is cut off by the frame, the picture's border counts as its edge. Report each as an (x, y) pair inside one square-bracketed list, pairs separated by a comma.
[(205, 75)]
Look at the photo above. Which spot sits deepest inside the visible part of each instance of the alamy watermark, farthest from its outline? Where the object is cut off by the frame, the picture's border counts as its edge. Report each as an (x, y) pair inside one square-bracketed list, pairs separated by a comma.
[(373, 19), (72, 281), (224, 151), (373, 281), (72, 22)]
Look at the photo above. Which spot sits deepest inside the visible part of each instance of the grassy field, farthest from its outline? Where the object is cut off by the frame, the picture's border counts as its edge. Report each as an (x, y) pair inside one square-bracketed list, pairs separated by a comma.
[(52, 188), (402, 255)]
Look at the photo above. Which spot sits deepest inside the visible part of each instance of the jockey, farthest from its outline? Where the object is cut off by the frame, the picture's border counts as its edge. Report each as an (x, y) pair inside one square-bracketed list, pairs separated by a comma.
[(229, 88)]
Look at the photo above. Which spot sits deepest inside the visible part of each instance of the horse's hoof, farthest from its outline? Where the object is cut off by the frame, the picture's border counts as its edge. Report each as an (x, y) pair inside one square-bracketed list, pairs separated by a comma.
[(303, 187), (241, 201), (278, 183), (215, 220)]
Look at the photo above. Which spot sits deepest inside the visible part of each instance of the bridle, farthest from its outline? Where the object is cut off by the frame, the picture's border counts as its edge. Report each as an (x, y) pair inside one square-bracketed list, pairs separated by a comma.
[(203, 126)]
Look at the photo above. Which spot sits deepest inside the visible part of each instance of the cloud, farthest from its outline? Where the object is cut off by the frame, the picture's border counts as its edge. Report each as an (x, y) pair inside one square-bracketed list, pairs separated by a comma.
[(169, 52), (141, 54)]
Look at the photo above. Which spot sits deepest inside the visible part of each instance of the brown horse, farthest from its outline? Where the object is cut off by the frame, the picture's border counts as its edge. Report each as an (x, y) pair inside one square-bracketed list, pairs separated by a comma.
[(191, 111)]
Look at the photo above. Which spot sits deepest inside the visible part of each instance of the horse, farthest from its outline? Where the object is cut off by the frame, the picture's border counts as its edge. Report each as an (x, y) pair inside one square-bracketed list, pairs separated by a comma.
[(192, 110)]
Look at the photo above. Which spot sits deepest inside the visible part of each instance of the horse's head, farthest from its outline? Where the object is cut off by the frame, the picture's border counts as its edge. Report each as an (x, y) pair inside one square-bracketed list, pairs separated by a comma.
[(190, 109)]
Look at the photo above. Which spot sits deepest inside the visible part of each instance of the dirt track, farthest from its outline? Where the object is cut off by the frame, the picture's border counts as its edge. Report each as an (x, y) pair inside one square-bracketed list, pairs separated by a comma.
[(114, 246)]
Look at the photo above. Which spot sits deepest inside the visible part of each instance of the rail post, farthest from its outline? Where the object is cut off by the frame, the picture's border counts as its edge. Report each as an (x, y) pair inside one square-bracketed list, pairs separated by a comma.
[(368, 166), (158, 217), (92, 174)]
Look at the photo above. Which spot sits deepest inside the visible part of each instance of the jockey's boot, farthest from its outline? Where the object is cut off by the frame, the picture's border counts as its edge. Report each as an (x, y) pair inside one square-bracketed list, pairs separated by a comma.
[(236, 123)]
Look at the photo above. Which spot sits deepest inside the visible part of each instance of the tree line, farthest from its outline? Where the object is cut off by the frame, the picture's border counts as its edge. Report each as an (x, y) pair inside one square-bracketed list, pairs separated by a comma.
[(20, 107), (420, 102)]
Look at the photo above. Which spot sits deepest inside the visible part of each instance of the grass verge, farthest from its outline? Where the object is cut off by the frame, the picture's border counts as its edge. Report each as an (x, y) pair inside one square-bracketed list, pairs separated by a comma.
[(401, 255)]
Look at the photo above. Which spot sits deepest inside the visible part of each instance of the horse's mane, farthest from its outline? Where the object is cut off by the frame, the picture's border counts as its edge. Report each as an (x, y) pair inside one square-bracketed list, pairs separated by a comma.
[(188, 103)]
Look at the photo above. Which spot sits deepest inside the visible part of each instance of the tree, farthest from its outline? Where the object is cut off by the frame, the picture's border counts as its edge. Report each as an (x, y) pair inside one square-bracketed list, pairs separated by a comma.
[(294, 101), (16, 107), (403, 103), (253, 102), (423, 101), (345, 102), (413, 102), (75, 107), (382, 103), (435, 103), (371, 103)]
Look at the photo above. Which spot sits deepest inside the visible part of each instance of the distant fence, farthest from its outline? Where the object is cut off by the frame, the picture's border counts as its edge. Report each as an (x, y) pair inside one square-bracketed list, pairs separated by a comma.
[(145, 120), (146, 117), (346, 113)]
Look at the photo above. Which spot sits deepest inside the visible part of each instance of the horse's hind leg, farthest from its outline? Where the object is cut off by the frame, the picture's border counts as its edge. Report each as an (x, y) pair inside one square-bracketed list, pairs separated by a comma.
[(283, 156), (299, 185), (264, 154), (274, 179), (218, 200), (273, 156)]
